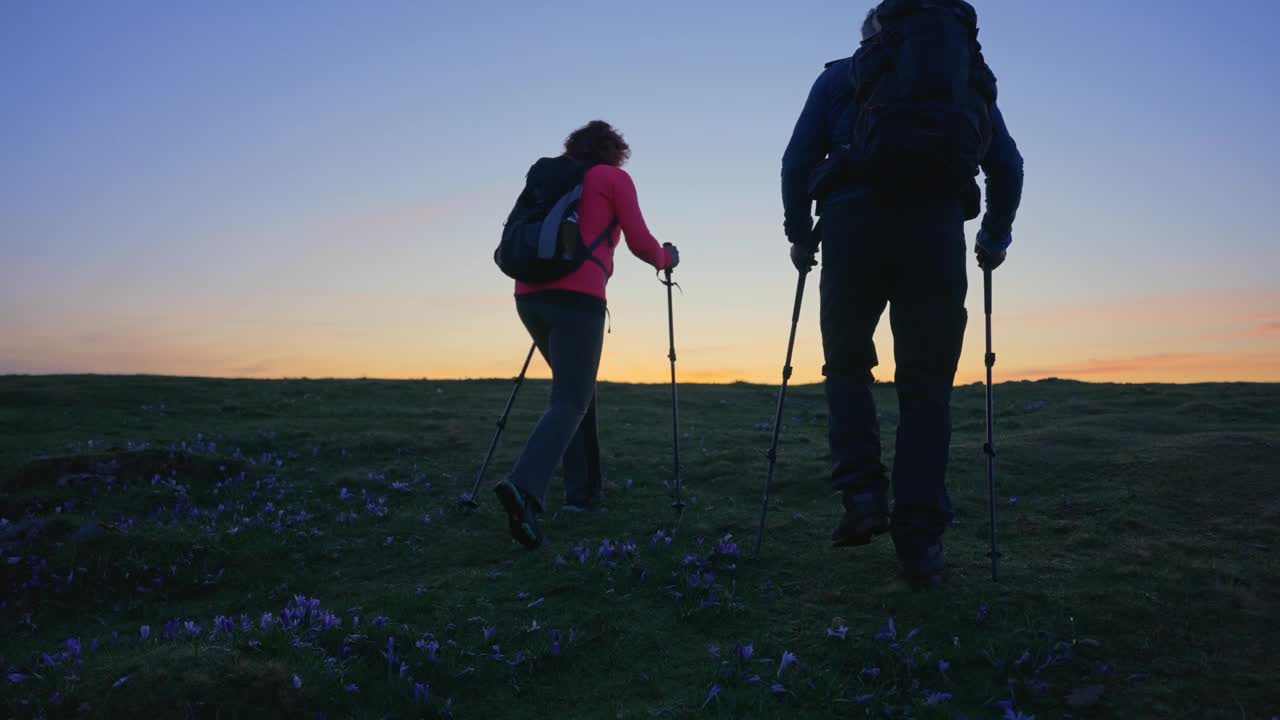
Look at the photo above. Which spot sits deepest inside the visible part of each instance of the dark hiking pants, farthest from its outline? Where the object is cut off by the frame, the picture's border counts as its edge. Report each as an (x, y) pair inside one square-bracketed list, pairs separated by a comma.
[(912, 259), (569, 331)]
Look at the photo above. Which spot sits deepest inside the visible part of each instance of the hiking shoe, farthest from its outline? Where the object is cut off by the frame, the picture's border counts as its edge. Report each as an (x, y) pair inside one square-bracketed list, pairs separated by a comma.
[(922, 565), (522, 514), (865, 515), (583, 506)]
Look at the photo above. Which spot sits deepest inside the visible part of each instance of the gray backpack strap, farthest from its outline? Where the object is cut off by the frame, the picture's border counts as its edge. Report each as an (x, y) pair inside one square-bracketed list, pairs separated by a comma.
[(549, 234)]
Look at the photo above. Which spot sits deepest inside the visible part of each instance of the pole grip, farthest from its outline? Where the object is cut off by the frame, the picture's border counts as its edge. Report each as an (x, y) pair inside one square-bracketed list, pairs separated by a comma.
[(986, 290)]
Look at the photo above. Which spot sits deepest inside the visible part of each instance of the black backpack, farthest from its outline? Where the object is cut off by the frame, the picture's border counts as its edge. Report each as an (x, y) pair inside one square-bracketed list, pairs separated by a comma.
[(541, 240), (923, 94)]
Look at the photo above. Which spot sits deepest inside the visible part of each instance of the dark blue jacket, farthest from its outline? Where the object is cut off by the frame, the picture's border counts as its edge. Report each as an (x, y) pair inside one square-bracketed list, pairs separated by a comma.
[(826, 122)]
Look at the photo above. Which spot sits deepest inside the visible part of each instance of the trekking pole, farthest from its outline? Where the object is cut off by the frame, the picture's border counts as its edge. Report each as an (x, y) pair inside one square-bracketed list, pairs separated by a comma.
[(989, 448), (777, 419), (469, 500), (678, 504)]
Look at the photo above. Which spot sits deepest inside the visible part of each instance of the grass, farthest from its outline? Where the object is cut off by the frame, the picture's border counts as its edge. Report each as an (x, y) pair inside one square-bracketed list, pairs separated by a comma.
[(1140, 574)]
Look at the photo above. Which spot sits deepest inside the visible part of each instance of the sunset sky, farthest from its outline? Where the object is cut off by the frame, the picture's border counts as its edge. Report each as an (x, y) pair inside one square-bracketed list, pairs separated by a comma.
[(315, 189)]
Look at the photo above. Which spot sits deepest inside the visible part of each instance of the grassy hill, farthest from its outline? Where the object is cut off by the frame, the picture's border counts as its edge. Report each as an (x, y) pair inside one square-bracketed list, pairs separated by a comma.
[(219, 548)]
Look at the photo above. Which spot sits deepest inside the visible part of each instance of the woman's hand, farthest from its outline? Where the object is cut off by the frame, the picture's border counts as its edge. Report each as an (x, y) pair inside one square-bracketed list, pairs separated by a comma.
[(673, 253)]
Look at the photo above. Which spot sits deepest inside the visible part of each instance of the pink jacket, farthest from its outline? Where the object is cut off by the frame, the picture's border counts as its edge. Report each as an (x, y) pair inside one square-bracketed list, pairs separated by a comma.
[(607, 193)]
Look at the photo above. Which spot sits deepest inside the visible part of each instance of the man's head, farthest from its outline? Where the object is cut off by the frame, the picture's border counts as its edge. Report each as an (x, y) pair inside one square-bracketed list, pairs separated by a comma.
[(871, 25)]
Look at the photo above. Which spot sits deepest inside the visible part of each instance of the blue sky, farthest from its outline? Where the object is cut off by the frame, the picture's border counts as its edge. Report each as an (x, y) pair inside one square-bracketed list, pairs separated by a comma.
[(315, 188)]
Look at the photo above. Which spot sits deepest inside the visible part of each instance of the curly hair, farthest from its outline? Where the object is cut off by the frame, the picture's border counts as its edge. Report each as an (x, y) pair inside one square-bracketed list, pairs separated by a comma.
[(597, 143)]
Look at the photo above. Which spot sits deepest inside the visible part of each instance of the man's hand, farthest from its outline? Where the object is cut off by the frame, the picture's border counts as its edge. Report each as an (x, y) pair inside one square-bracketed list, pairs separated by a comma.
[(674, 253), (803, 257), (989, 260)]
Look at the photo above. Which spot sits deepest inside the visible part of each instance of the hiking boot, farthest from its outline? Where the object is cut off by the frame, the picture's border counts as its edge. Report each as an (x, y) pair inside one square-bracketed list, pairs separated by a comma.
[(922, 565), (865, 515), (522, 514), (592, 504)]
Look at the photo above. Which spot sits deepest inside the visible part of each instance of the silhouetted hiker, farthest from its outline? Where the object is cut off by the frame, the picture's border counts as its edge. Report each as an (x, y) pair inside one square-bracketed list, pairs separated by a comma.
[(888, 144), (566, 315)]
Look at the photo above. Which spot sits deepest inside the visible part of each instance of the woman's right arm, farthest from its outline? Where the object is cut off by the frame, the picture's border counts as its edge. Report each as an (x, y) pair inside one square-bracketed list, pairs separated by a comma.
[(626, 207)]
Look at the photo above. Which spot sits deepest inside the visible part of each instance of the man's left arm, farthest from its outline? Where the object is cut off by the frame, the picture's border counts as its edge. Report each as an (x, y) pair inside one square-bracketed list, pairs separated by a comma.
[(808, 146), (1003, 170)]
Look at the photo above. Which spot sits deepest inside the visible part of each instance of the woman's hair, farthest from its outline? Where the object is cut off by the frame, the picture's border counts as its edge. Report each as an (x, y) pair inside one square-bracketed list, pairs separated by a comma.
[(597, 143), (871, 25)]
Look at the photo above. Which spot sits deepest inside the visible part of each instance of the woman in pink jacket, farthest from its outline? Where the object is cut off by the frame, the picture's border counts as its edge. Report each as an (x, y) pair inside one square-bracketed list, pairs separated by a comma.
[(566, 319)]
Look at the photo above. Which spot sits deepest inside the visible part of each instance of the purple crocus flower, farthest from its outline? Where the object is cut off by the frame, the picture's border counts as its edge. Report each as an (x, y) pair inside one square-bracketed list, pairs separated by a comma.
[(555, 643), (943, 666), (839, 633), (145, 632), (297, 682), (432, 648), (746, 651), (788, 659), (536, 603), (352, 688), (267, 621), (404, 670), (421, 692), (489, 632), (711, 695), (890, 631), (754, 680), (936, 698), (983, 613), (864, 699), (15, 678), (778, 689), (120, 682), (1013, 501), (871, 672)]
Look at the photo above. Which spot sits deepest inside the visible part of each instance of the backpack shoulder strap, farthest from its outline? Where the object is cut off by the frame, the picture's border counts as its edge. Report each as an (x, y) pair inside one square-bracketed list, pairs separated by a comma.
[(604, 237)]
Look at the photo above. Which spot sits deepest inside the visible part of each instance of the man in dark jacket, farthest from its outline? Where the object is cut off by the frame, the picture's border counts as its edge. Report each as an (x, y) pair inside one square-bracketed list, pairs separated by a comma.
[(907, 252)]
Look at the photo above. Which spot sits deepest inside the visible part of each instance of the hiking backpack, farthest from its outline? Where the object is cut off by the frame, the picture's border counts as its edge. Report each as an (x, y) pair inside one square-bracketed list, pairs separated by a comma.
[(923, 95), (541, 240)]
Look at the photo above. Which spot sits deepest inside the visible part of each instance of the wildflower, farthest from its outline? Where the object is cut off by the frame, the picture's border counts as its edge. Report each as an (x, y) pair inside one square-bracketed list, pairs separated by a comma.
[(1013, 501), (352, 688), (777, 689), (890, 632), (120, 682), (983, 613), (871, 672), (555, 643), (297, 682), (746, 651), (712, 695), (145, 632), (864, 699), (788, 659), (839, 633), (536, 603), (936, 698), (943, 666), (489, 632), (421, 692)]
